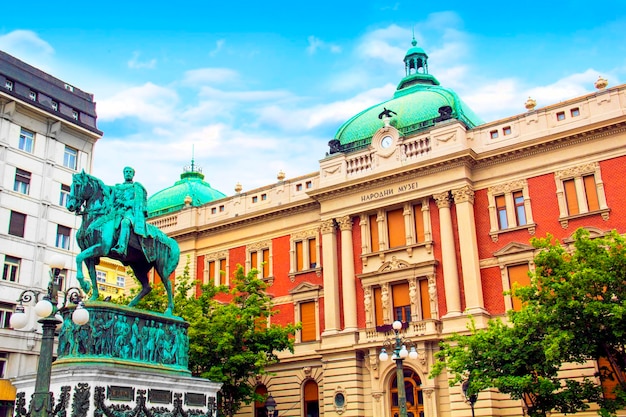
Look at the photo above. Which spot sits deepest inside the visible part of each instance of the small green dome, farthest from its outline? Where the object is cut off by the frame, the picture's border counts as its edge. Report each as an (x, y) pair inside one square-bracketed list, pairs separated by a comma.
[(418, 103), (190, 190)]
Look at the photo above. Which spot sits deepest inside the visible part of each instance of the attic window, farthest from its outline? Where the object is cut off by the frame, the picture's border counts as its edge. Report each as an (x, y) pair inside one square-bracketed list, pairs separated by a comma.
[(263, 197), (8, 84), (221, 208), (32, 95), (560, 116), (493, 134), (298, 187), (213, 210), (575, 112), (506, 130), (309, 184), (69, 87), (255, 199)]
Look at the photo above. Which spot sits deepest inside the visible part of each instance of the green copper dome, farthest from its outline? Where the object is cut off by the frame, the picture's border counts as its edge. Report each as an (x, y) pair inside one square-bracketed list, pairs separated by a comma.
[(190, 190), (418, 103)]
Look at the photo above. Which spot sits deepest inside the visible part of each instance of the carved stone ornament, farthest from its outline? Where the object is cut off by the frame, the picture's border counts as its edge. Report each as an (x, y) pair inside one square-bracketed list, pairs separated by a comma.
[(507, 188), (577, 171), (463, 195), (395, 263), (442, 199), (328, 226), (345, 223), (260, 245), (340, 400)]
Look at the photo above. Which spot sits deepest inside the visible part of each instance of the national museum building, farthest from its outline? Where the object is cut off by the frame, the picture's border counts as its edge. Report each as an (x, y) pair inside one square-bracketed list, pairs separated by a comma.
[(420, 212)]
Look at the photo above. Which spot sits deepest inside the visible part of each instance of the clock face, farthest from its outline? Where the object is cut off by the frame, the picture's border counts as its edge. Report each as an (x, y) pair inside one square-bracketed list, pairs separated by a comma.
[(386, 142)]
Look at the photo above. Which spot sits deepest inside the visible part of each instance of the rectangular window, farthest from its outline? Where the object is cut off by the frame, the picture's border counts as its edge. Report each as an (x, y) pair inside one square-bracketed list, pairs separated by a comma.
[(591, 192), (4, 356), (254, 260), (503, 222), (121, 281), (213, 210), (560, 116), (575, 112), (298, 187), (493, 134), (255, 199), (17, 223), (223, 273), (520, 211), (306, 254), (11, 268), (74, 115), (64, 196), (70, 158), (309, 184), (419, 223), (506, 130), (27, 138), (569, 186), (395, 227), (55, 106), (307, 317), (401, 302), (212, 271), (299, 256), (373, 223), (518, 276), (221, 209), (32, 95), (8, 84), (378, 306), (63, 237), (425, 299), (22, 181), (101, 276), (5, 316), (263, 197), (265, 266)]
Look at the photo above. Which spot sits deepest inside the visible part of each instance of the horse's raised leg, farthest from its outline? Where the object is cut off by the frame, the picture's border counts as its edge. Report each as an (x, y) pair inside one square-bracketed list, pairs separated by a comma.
[(91, 270), (90, 253), (141, 273)]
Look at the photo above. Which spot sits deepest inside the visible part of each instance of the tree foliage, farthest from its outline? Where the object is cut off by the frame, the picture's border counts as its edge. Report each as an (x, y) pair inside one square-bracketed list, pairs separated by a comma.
[(230, 342), (572, 312)]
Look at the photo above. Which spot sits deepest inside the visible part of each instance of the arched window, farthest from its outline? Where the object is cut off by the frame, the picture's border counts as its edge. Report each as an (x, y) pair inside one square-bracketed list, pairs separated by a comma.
[(311, 399), (414, 398), (259, 406)]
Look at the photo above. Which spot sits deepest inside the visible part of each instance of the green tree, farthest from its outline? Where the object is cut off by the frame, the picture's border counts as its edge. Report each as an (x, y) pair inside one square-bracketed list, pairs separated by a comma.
[(231, 340), (572, 312)]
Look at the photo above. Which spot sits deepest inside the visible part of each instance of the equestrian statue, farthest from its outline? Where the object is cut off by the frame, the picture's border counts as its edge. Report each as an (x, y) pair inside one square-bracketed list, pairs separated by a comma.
[(114, 225)]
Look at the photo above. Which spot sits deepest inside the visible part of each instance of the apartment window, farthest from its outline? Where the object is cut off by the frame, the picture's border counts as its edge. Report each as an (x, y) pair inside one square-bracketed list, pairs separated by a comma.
[(305, 251), (401, 302), (55, 106), (17, 221), (74, 115), (8, 84), (308, 333), (217, 269), (509, 207), (11, 269), (27, 138), (560, 116), (255, 199), (121, 281), (259, 258), (309, 184), (580, 191), (298, 187), (6, 310), (213, 210), (493, 134), (32, 95), (263, 197), (101, 276), (221, 208), (70, 158), (518, 277), (506, 130), (22, 181), (63, 237), (64, 196), (575, 112)]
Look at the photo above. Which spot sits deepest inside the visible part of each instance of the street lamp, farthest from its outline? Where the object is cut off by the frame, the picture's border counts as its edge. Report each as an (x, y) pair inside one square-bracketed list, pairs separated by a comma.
[(47, 307), (470, 397), (270, 406), (400, 353)]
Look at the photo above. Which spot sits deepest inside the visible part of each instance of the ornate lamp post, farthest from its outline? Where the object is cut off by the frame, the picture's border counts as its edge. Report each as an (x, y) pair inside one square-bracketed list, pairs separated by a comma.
[(270, 406), (470, 397), (47, 307), (398, 345)]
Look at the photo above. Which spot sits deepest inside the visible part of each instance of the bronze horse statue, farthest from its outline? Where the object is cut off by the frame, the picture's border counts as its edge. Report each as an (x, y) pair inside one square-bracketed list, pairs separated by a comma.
[(99, 231)]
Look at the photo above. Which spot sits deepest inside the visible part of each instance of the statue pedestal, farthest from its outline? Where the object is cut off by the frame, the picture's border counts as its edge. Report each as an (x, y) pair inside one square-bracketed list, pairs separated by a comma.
[(124, 362)]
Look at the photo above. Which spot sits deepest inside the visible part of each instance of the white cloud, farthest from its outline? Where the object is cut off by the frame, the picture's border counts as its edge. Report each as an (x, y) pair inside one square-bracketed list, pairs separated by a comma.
[(149, 103), (316, 44), (135, 63), (27, 46), (219, 44), (202, 76)]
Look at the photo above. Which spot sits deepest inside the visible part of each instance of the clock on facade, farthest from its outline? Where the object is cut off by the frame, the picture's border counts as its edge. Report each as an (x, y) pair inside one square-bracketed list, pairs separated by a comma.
[(386, 142)]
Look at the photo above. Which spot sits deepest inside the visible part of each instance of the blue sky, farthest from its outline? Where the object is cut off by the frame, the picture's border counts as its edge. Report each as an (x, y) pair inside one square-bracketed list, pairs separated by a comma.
[(258, 87)]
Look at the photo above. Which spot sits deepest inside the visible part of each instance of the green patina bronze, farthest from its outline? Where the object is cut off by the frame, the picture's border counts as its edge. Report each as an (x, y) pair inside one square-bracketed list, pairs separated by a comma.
[(114, 225), (119, 335)]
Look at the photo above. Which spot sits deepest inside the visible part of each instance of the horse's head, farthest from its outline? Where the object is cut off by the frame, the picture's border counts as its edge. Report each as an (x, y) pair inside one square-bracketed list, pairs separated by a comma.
[(80, 191)]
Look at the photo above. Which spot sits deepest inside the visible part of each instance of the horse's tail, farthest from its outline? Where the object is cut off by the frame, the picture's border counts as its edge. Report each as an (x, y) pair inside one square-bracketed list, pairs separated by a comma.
[(167, 255)]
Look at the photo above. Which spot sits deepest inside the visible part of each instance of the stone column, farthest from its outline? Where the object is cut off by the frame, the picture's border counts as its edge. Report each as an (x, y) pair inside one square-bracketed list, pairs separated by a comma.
[(448, 255), (347, 274), (331, 274), (464, 201)]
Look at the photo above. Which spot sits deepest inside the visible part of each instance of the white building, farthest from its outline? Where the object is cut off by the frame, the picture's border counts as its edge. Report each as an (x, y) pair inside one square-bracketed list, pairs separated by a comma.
[(47, 133)]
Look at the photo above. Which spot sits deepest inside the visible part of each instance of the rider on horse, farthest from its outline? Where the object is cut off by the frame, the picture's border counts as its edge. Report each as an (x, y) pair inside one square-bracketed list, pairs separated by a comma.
[(130, 208)]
